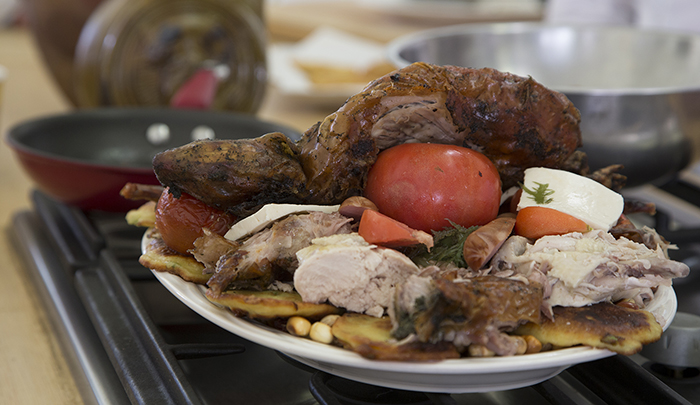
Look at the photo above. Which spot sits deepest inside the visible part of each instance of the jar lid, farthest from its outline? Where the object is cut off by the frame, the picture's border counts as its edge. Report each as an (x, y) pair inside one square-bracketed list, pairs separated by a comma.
[(140, 53)]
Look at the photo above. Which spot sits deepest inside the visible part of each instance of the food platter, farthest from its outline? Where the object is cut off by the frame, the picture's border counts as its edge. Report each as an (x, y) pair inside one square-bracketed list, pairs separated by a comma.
[(448, 376)]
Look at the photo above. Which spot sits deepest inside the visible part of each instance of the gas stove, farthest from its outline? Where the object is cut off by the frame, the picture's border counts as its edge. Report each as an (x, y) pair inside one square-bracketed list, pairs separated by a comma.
[(129, 341)]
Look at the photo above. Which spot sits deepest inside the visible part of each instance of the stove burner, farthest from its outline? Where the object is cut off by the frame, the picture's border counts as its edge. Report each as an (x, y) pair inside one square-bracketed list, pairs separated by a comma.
[(329, 390), (677, 373), (679, 346)]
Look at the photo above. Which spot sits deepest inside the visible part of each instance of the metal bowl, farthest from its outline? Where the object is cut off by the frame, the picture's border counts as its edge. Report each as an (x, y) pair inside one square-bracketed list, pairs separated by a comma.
[(638, 91)]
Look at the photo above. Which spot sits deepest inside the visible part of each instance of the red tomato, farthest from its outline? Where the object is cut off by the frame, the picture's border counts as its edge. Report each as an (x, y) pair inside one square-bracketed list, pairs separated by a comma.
[(423, 185), (180, 220)]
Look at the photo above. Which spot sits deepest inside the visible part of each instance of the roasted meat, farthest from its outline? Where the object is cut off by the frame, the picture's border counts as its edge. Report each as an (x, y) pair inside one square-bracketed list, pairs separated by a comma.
[(469, 311), (513, 120), (350, 273), (583, 269), (210, 247), (270, 254), (235, 175), (136, 192)]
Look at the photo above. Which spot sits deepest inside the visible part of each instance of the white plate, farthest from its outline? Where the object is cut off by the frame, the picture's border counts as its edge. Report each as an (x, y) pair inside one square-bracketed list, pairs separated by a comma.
[(447, 376), (293, 83)]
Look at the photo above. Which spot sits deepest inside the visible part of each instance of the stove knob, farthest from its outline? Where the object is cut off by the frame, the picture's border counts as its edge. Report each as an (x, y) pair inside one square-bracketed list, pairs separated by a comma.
[(679, 345)]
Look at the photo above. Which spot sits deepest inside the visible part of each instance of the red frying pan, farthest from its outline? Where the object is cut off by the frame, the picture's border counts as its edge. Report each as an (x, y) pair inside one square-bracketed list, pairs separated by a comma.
[(84, 158)]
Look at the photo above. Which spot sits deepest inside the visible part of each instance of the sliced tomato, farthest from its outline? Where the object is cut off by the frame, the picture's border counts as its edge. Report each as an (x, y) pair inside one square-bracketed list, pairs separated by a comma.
[(379, 229), (180, 221)]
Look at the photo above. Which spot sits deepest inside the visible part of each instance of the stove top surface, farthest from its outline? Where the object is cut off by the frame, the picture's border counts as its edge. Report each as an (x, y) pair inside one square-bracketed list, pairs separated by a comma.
[(131, 341)]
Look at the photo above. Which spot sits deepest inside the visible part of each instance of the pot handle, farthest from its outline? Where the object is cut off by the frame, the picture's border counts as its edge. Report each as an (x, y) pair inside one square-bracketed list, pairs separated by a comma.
[(199, 91)]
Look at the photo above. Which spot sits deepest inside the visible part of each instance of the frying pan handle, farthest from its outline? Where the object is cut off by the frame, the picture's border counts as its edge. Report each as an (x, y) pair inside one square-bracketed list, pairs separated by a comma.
[(198, 92)]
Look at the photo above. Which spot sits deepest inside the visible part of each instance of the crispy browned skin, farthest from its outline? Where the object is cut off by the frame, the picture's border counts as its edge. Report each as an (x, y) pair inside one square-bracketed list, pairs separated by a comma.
[(603, 325), (478, 310), (371, 337), (486, 302), (237, 176), (513, 120), (610, 177)]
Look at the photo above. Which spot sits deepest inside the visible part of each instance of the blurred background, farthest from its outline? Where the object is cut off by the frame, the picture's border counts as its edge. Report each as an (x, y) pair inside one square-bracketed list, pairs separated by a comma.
[(142, 52)]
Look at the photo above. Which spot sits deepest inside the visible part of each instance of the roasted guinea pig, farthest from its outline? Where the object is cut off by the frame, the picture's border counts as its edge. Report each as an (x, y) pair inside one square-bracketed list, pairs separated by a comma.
[(513, 120)]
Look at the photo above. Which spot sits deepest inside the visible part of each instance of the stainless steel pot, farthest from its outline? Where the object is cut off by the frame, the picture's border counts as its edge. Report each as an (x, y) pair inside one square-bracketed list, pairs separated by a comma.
[(638, 91)]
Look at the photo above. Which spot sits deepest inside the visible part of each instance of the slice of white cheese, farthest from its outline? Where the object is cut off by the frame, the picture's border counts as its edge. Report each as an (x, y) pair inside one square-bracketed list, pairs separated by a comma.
[(270, 213), (573, 194)]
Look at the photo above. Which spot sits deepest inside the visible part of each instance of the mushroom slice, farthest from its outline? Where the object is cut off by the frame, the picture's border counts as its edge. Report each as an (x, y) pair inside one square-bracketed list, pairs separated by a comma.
[(484, 242)]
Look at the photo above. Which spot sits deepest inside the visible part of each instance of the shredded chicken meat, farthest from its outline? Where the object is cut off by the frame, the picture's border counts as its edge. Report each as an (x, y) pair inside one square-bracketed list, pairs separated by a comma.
[(583, 269)]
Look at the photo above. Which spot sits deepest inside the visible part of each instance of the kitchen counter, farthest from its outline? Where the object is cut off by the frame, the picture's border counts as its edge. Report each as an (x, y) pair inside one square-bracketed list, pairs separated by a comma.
[(33, 369)]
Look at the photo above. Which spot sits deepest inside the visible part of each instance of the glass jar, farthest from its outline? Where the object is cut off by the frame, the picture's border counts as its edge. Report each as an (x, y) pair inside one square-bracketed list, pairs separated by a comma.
[(141, 52)]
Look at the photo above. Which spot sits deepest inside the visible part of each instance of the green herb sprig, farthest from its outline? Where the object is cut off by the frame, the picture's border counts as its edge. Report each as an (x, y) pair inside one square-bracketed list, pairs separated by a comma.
[(448, 248), (541, 194)]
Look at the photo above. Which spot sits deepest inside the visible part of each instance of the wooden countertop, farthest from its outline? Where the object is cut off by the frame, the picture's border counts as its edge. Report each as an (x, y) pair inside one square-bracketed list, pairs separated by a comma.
[(33, 369)]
